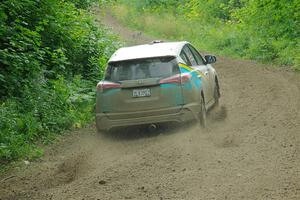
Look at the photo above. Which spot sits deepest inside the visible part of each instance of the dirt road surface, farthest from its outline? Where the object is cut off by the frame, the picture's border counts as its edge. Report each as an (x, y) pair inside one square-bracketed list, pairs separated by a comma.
[(250, 149)]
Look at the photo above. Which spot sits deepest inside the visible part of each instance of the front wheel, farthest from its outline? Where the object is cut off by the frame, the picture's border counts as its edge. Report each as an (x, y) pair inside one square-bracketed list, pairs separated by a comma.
[(202, 114)]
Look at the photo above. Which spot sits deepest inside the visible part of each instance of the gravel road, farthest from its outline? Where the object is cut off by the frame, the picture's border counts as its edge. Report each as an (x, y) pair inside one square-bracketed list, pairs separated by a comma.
[(250, 149)]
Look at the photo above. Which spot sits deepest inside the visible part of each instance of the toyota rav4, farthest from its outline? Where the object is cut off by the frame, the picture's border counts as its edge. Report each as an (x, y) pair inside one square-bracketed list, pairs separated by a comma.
[(155, 83)]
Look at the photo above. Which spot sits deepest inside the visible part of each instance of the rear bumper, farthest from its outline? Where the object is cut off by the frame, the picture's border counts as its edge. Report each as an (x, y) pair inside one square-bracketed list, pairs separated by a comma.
[(186, 113)]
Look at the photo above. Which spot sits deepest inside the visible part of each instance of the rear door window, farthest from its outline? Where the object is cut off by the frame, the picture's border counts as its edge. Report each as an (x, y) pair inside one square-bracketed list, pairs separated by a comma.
[(142, 69), (185, 58), (197, 56), (190, 56)]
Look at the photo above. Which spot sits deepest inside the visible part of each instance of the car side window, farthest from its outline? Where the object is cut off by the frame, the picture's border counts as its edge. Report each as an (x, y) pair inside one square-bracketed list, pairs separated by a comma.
[(190, 56), (184, 57), (197, 56)]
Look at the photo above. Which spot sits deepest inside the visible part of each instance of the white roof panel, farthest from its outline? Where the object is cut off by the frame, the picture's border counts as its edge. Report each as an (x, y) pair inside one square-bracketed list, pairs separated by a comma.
[(147, 51)]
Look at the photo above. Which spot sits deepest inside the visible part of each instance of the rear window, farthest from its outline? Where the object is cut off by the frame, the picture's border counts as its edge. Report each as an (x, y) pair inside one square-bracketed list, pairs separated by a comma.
[(142, 69)]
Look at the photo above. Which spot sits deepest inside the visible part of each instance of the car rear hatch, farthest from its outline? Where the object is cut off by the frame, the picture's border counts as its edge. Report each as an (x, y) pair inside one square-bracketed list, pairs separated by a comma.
[(137, 88)]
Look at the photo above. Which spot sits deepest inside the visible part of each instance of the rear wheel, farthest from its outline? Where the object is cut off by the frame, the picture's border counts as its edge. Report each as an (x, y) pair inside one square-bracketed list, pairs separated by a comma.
[(216, 94), (202, 114)]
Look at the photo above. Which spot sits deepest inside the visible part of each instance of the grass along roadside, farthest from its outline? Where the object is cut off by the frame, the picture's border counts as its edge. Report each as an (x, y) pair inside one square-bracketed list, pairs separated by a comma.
[(222, 37)]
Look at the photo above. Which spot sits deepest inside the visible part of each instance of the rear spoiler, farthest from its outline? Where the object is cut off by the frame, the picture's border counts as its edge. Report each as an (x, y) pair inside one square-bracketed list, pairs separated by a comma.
[(166, 56)]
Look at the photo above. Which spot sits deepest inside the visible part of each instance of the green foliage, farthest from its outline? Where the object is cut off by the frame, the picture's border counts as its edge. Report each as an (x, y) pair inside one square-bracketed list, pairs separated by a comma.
[(51, 56), (267, 31), (50, 108), (47, 39), (83, 4), (273, 28)]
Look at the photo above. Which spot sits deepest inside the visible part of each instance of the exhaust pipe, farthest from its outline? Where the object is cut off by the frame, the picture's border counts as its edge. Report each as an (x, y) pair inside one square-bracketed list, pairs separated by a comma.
[(152, 127)]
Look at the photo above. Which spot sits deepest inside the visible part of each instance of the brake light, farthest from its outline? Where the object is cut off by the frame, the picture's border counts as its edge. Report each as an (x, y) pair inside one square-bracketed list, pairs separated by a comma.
[(185, 77), (104, 85), (178, 78), (172, 79)]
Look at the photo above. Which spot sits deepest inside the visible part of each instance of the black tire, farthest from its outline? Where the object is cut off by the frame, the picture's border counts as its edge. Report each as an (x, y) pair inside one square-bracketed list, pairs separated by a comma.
[(217, 94), (202, 114)]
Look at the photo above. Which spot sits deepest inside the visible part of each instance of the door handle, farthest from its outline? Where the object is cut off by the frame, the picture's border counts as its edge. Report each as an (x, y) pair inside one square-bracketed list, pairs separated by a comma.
[(206, 73)]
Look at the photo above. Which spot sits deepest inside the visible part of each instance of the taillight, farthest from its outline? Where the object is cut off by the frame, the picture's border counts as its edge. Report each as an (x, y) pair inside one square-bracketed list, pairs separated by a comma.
[(185, 77), (172, 79), (104, 85), (178, 78)]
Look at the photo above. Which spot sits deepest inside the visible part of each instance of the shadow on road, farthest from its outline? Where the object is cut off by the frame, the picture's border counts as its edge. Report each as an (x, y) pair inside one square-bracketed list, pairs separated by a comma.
[(143, 131)]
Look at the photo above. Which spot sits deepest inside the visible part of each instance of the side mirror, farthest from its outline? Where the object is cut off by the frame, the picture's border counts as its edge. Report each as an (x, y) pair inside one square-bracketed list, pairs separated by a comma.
[(210, 59)]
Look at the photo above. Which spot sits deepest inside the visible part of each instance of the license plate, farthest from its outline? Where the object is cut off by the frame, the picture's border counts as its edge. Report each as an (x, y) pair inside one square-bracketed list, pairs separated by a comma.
[(141, 93)]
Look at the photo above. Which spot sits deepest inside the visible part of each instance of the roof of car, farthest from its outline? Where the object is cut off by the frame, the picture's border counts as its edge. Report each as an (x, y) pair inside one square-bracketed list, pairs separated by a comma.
[(155, 49)]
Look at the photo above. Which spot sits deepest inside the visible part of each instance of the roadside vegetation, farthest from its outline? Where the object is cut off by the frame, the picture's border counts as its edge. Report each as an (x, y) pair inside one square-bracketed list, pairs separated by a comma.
[(51, 56), (267, 31)]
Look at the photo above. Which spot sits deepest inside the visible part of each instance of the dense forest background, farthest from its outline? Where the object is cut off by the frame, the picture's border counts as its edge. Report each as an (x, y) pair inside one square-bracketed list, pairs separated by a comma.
[(51, 56), (268, 31)]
